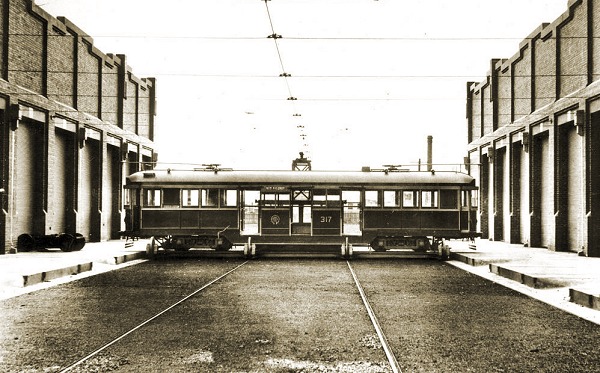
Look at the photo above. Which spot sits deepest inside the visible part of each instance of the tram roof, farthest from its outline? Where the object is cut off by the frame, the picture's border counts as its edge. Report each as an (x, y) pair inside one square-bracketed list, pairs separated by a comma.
[(260, 178)]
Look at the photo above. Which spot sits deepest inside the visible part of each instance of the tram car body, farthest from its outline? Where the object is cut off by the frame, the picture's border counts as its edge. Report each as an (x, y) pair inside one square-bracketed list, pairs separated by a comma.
[(219, 209)]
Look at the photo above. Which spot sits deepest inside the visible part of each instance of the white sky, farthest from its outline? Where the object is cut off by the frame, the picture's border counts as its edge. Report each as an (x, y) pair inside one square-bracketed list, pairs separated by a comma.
[(373, 78)]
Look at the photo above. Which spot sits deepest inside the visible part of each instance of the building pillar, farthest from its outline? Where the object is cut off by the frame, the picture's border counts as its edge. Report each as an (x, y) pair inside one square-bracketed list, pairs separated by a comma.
[(484, 193), (515, 154), (592, 134)]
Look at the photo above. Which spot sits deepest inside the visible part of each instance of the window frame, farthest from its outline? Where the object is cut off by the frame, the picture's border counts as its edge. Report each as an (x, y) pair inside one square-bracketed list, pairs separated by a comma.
[(190, 197), (414, 193), (434, 199), (157, 197), (377, 200)]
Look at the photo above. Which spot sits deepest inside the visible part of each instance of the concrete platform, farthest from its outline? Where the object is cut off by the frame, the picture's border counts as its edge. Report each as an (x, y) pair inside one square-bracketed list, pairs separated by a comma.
[(29, 271), (536, 268)]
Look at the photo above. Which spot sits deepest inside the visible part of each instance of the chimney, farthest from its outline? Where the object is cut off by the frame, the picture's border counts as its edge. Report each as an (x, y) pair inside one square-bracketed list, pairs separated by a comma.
[(429, 152)]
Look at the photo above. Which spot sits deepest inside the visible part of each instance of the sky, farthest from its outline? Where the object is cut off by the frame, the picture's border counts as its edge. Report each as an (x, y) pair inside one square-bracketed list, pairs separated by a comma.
[(372, 78)]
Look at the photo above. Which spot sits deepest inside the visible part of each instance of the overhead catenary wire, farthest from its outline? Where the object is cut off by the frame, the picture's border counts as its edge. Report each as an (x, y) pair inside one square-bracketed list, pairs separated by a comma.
[(286, 75), (325, 38)]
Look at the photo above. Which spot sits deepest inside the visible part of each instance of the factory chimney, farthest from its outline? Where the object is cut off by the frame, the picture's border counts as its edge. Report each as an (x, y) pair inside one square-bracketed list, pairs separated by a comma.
[(429, 152)]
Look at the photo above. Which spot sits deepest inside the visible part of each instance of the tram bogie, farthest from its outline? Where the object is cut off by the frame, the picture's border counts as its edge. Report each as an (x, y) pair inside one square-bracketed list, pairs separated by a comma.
[(301, 211), (185, 243), (420, 244)]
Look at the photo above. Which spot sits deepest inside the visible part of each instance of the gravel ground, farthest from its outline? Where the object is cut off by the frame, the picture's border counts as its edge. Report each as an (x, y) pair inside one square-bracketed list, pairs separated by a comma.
[(275, 316), (440, 319), (291, 316)]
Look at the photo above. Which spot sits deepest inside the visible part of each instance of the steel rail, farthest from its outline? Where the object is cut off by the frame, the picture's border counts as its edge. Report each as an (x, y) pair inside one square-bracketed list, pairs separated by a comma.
[(384, 342), (82, 360)]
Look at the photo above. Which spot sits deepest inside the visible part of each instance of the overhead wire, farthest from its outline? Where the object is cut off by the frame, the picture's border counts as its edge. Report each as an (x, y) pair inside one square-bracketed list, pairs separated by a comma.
[(334, 38), (285, 75), (275, 37)]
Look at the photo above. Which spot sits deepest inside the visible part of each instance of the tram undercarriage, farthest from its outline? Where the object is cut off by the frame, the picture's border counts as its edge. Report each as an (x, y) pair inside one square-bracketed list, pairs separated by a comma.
[(344, 247)]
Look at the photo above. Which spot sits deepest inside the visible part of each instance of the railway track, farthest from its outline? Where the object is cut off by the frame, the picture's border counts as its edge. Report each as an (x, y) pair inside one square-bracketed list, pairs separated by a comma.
[(394, 366), (107, 345), (278, 315), (391, 357)]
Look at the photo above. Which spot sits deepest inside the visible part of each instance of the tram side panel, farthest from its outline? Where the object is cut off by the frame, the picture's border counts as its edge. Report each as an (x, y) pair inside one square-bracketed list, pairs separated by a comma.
[(406, 218)]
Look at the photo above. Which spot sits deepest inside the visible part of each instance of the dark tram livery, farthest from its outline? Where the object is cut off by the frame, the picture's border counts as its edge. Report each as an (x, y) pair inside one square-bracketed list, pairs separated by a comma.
[(267, 210)]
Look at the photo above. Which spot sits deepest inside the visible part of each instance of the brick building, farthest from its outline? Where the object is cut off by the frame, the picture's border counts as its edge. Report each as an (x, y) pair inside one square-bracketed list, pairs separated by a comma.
[(74, 123), (534, 137)]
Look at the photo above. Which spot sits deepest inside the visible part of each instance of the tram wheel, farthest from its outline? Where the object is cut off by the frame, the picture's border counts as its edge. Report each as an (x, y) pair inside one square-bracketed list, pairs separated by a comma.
[(25, 242), (65, 242), (152, 247)]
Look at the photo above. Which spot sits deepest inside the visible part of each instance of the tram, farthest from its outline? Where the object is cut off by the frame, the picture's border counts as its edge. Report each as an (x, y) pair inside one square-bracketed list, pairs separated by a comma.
[(385, 210)]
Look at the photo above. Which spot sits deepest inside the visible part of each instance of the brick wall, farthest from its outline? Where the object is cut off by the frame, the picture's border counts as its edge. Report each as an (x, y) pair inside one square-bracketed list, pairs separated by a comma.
[(487, 110), (54, 58), (52, 75), (110, 91), (553, 75), (475, 114), (130, 105), (25, 48), (554, 61), (572, 36), (4, 40), (144, 107), (503, 92), (522, 84), (545, 71), (88, 84), (61, 61), (594, 11)]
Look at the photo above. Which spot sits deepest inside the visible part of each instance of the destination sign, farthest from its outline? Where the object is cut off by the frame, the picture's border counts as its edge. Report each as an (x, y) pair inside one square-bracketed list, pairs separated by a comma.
[(274, 188)]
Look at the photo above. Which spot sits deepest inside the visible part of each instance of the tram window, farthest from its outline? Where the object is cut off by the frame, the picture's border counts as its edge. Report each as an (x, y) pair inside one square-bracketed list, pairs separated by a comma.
[(152, 198), (210, 197), (229, 198), (127, 197), (326, 197), (301, 214), (351, 196), (319, 197), (251, 197), (306, 214), (448, 199), (276, 199), (372, 198), (171, 197), (410, 198), (189, 197), (469, 194), (390, 198), (474, 198), (429, 198)]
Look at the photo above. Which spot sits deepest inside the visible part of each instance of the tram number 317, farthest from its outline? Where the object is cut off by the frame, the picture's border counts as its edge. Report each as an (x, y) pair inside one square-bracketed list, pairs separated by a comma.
[(326, 219)]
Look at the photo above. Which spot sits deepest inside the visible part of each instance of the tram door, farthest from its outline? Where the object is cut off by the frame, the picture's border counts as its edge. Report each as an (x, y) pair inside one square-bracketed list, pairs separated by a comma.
[(351, 217), (327, 212), (301, 212), (249, 213), (275, 211)]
